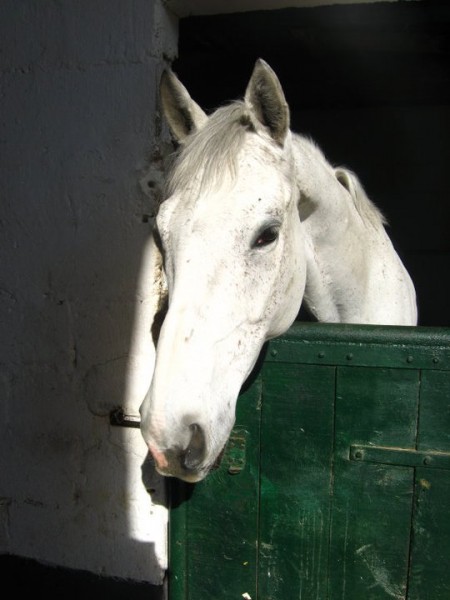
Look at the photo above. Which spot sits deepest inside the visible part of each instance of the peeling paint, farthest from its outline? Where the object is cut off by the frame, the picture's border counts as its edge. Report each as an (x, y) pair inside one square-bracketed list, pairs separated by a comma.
[(379, 572)]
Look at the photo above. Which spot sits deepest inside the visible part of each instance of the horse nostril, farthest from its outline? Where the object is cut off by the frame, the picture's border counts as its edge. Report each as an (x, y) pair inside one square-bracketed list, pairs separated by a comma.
[(195, 451)]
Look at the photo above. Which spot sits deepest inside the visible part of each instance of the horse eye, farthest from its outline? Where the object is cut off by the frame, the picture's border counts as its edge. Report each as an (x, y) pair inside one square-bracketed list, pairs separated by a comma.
[(266, 237)]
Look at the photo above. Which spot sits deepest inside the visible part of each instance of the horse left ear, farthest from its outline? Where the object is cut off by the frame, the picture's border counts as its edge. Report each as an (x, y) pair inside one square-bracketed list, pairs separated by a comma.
[(183, 114), (265, 98)]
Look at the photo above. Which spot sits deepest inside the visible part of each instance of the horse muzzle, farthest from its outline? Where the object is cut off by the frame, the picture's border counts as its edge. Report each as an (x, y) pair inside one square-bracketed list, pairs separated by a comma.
[(187, 463)]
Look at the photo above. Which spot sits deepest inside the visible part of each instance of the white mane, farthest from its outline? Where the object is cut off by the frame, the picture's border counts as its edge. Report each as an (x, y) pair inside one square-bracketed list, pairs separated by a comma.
[(211, 150), (368, 211), (210, 155)]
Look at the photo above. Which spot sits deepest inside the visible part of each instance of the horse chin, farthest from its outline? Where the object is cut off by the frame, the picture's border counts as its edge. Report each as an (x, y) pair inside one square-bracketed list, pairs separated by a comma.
[(167, 469), (189, 476)]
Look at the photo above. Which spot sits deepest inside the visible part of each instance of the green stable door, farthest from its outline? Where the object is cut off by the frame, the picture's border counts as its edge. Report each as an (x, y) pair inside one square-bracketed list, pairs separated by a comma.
[(335, 483)]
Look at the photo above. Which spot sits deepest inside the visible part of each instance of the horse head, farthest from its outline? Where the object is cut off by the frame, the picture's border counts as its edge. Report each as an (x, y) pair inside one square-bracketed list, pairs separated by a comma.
[(232, 250)]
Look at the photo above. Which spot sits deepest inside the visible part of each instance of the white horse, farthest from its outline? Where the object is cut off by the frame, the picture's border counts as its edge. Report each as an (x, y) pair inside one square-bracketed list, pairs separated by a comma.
[(255, 219)]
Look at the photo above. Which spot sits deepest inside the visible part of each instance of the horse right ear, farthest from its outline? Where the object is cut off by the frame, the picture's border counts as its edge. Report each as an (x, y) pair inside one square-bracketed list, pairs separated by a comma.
[(183, 115), (265, 98)]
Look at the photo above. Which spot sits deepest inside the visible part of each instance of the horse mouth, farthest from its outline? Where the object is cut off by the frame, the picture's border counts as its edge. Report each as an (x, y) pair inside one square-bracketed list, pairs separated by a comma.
[(190, 475), (187, 464), (176, 469)]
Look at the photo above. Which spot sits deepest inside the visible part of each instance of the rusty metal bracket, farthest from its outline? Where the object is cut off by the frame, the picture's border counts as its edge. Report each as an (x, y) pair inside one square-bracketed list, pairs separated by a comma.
[(119, 418)]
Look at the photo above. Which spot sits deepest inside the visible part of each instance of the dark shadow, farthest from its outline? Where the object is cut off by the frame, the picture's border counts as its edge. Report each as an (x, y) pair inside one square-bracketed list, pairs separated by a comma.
[(180, 492), (29, 577), (155, 484), (256, 370)]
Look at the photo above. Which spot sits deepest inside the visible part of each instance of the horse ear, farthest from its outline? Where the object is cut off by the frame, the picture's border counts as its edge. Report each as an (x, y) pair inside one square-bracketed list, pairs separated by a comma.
[(265, 98), (183, 115)]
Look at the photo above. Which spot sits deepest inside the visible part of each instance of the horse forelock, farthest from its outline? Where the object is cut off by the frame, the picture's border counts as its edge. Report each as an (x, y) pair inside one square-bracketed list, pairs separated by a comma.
[(208, 158)]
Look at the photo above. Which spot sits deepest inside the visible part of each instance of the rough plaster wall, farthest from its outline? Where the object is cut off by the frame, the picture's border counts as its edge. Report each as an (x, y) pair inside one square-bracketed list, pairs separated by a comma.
[(79, 141)]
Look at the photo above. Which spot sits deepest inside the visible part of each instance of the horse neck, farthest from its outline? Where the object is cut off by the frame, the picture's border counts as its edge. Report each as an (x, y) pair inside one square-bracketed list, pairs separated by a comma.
[(325, 206), (340, 240)]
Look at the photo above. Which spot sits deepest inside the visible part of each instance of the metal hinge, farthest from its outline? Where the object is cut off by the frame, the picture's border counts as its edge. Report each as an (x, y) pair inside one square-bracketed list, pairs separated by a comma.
[(234, 456), (405, 457)]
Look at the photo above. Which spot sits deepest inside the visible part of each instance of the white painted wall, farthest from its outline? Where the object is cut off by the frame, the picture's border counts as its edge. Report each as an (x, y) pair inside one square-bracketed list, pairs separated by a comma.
[(79, 133)]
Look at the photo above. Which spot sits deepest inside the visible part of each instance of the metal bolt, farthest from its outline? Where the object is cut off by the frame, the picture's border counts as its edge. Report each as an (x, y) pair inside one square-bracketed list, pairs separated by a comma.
[(234, 470), (409, 359), (119, 418), (321, 354)]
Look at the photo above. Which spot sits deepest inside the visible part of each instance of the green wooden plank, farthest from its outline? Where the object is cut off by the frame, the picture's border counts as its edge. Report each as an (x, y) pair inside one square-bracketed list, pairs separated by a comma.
[(370, 533), (438, 337), (372, 503), (434, 432), (430, 559), (363, 345), (213, 524), (296, 457), (430, 555), (376, 406)]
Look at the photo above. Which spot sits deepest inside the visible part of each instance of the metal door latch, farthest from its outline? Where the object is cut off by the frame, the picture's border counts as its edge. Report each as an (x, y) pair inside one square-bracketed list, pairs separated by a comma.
[(234, 457), (407, 457)]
